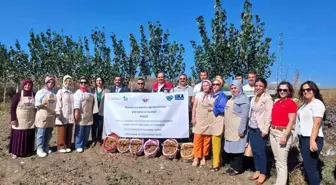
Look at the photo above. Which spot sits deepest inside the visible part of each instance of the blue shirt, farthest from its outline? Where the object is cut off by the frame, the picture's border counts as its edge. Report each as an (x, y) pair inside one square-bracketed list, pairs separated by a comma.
[(220, 102), (40, 95)]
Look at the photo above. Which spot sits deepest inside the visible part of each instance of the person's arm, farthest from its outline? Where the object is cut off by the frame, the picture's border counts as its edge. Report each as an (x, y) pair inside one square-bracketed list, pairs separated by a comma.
[(14, 103), (244, 108), (193, 120), (59, 105), (268, 116), (38, 99), (219, 108), (318, 114)]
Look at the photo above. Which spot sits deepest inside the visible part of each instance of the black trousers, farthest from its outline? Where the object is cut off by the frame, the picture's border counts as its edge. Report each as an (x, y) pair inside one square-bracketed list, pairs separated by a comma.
[(97, 128), (236, 162)]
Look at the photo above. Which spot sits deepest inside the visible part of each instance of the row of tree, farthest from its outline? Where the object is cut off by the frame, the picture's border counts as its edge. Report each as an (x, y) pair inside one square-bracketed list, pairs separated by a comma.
[(226, 52)]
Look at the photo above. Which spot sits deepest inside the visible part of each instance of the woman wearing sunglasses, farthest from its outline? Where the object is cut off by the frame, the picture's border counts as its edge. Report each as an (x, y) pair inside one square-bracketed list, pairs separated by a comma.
[(45, 102), (309, 128), (259, 123), (283, 116), (83, 105)]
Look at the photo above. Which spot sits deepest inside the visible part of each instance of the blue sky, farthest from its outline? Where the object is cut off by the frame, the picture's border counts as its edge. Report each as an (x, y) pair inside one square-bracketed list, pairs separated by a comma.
[(308, 26)]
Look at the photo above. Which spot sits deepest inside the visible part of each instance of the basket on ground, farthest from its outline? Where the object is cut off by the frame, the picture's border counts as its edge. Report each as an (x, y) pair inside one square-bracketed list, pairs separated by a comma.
[(152, 147), (187, 151), (136, 146), (111, 143), (170, 148), (123, 145)]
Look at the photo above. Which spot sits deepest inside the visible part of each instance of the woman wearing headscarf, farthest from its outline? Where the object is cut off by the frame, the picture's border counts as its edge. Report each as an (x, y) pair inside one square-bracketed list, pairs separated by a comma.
[(217, 121), (22, 112), (83, 105), (98, 120), (201, 123), (235, 134), (64, 115), (45, 102)]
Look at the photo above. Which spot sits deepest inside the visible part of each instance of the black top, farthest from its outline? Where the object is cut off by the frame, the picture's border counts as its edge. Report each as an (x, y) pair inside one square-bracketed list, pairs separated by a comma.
[(141, 91)]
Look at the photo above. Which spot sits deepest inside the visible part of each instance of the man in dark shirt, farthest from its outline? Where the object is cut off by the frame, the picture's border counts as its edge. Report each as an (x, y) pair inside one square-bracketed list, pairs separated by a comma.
[(141, 86), (118, 86)]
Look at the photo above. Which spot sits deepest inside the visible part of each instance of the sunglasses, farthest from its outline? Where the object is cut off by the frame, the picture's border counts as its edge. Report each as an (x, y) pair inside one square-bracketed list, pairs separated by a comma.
[(140, 83), (306, 90), (83, 82), (283, 90), (215, 84)]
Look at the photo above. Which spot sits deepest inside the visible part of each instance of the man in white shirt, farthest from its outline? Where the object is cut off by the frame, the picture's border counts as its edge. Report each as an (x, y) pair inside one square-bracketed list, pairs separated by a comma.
[(203, 76), (249, 88)]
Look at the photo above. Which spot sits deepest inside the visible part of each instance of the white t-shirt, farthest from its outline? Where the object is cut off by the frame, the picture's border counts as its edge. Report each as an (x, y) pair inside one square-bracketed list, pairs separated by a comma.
[(305, 118), (197, 89), (249, 91)]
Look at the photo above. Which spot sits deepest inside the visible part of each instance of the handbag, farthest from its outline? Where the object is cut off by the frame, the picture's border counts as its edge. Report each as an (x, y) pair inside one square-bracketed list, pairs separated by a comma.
[(248, 151)]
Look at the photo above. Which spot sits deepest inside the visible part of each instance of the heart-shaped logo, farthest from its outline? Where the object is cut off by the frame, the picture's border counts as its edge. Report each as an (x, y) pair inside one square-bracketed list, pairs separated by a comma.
[(170, 97)]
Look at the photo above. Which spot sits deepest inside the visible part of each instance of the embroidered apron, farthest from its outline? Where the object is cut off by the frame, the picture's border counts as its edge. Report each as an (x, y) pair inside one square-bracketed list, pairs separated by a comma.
[(87, 110), (45, 117), (232, 122), (25, 113)]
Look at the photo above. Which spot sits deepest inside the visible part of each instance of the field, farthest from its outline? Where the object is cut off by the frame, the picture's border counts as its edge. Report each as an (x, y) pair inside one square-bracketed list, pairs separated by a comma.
[(97, 167)]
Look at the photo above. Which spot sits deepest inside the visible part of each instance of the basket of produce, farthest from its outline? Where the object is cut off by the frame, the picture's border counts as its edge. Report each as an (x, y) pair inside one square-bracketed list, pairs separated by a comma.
[(187, 151), (170, 148), (123, 145), (152, 147), (111, 142), (136, 146)]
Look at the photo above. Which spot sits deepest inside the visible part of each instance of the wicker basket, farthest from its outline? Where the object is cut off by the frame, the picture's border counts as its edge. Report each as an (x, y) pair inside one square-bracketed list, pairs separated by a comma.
[(139, 142), (170, 143), (152, 142), (111, 138), (184, 146), (124, 149)]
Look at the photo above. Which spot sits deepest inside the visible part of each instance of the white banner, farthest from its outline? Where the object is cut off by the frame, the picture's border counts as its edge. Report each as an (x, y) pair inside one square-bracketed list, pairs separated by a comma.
[(147, 115)]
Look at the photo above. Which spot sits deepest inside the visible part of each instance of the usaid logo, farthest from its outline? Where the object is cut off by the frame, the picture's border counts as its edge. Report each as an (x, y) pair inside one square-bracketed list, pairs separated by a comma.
[(179, 97)]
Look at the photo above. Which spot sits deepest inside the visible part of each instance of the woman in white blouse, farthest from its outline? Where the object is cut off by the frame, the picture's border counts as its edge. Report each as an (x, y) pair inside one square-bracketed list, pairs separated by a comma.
[(309, 124)]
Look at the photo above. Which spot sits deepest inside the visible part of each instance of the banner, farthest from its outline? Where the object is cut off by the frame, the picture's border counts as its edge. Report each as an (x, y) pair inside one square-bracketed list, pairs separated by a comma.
[(147, 115)]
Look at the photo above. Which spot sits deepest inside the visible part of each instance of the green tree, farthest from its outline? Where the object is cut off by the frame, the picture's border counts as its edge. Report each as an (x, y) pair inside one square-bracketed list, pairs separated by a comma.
[(120, 57), (134, 57), (145, 65), (4, 68)]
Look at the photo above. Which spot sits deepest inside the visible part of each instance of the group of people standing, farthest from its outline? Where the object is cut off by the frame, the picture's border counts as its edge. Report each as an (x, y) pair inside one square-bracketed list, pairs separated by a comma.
[(230, 125), (250, 122)]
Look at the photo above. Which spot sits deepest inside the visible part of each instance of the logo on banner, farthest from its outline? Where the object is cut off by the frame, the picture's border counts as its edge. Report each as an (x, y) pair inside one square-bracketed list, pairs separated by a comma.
[(179, 97), (170, 97), (145, 98), (125, 98)]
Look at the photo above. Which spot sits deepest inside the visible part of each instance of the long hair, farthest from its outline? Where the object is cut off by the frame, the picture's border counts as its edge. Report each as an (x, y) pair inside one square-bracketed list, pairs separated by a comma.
[(290, 89), (315, 90)]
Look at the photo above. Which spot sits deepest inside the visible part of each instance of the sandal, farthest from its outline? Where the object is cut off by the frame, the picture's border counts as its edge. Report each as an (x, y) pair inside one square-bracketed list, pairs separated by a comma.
[(203, 162), (214, 169), (195, 162)]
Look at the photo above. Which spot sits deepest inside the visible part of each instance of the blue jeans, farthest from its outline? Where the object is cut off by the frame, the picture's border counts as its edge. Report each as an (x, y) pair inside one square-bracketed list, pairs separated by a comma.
[(97, 128), (43, 137), (81, 135), (258, 146), (310, 159)]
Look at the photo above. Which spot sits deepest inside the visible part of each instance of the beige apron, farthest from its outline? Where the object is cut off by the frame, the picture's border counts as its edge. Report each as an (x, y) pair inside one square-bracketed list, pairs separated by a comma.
[(232, 122), (25, 113), (206, 122), (87, 110), (45, 117)]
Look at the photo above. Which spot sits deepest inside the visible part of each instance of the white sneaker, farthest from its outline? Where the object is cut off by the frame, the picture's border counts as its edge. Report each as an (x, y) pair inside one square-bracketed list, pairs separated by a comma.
[(62, 151), (68, 150), (79, 150), (47, 150), (14, 156), (41, 153)]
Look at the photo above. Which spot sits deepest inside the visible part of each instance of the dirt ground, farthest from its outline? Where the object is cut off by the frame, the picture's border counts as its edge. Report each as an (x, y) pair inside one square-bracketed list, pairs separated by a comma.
[(94, 166)]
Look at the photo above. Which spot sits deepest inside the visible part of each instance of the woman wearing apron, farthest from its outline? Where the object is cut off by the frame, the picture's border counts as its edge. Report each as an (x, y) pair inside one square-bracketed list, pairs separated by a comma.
[(235, 134), (45, 102), (22, 112), (201, 123), (83, 105), (217, 105), (64, 115), (98, 120)]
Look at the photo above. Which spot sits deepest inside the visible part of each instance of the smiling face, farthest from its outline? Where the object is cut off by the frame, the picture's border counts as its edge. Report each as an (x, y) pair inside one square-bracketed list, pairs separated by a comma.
[(27, 87), (283, 91), (83, 83), (99, 82), (206, 87), (307, 92), (251, 77), (260, 87), (161, 78), (234, 90), (183, 80), (216, 86), (68, 82), (203, 76), (117, 81), (50, 84)]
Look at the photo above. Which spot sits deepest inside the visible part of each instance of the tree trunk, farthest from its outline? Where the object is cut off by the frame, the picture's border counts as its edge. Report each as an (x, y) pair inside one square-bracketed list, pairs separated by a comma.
[(4, 94)]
